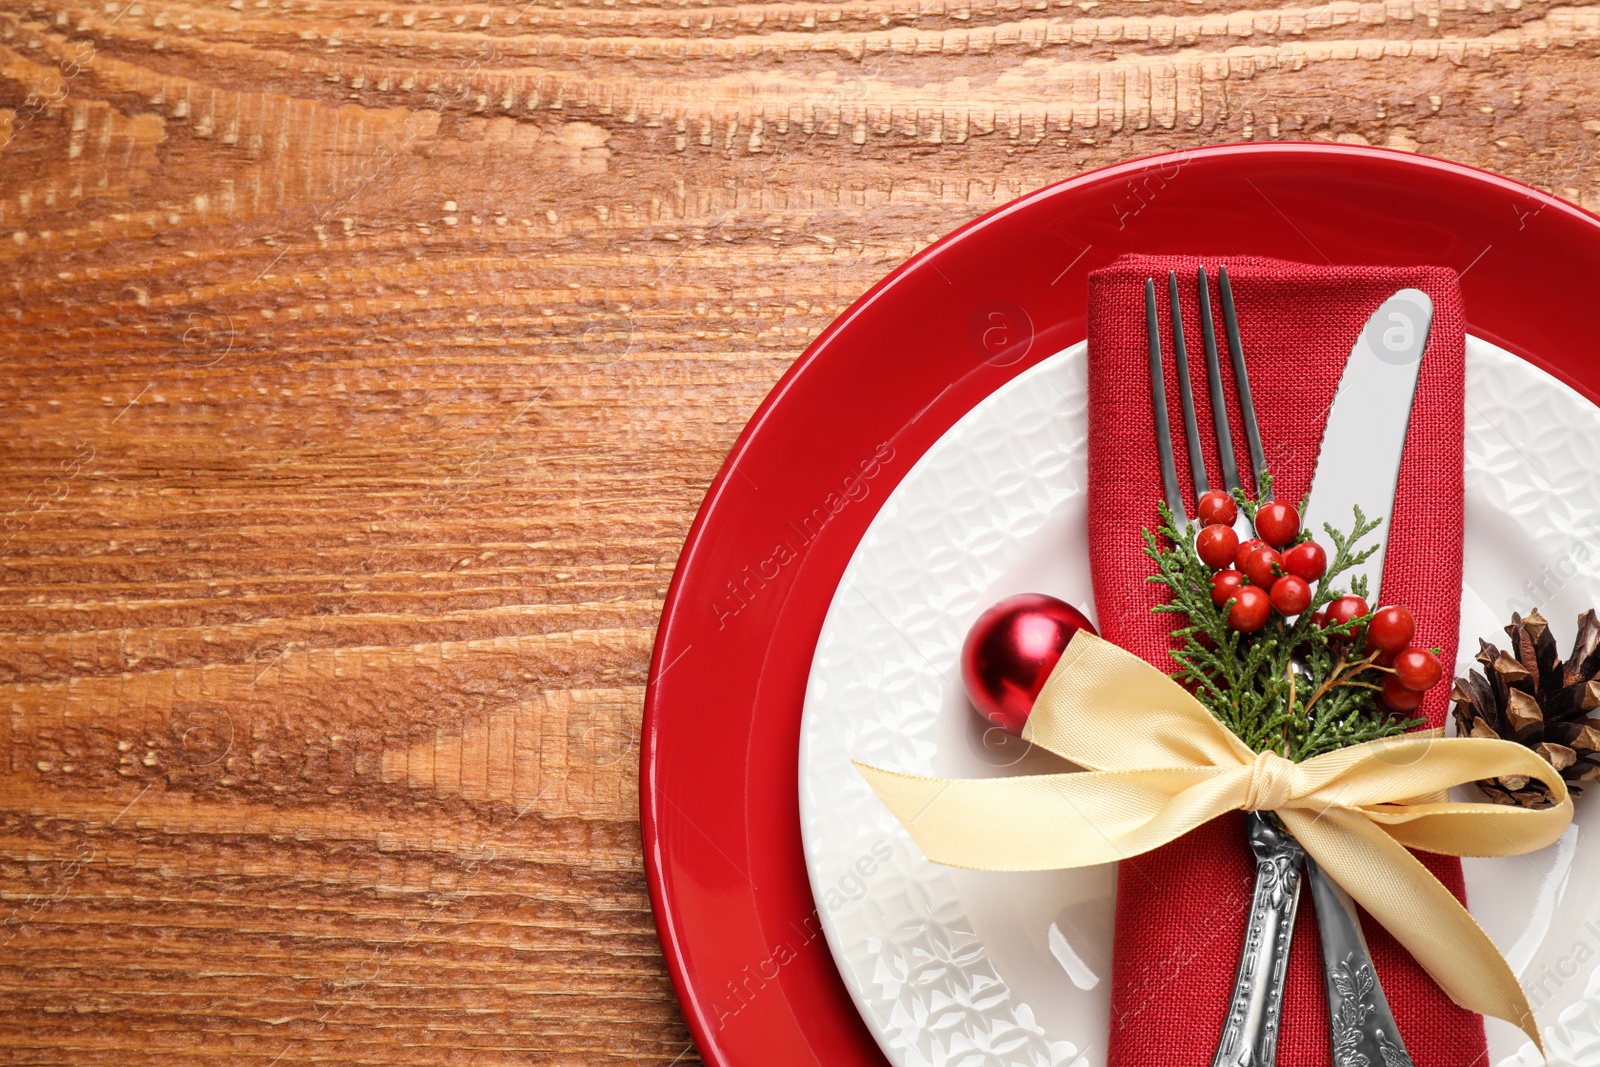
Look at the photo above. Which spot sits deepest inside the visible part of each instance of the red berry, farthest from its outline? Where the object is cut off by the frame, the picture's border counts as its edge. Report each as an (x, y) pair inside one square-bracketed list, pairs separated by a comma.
[(1307, 559), (1278, 523), (1345, 609), (1259, 566), (1291, 595), (1391, 628), (1418, 669), (1251, 609), (1217, 507), (1319, 620), (1385, 659), (1224, 585), (1217, 544), (1246, 547), (1399, 697)]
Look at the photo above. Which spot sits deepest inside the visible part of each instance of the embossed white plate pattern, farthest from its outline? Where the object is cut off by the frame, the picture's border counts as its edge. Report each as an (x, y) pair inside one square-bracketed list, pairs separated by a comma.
[(955, 968)]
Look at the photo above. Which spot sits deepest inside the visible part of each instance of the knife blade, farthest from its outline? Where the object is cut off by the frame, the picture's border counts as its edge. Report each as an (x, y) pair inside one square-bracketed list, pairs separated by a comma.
[(1359, 461)]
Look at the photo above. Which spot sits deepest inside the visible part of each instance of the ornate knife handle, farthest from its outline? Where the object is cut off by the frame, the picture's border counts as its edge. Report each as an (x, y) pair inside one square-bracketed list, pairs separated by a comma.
[(1363, 1029), (1250, 1034)]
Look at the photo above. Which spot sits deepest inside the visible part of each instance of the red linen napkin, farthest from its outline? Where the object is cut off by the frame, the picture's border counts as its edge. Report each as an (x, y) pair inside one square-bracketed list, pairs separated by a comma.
[(1181, 909)]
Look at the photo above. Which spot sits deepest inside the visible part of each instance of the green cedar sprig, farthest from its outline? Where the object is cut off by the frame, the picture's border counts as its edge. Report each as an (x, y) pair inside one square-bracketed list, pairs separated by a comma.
[(1295, 689)]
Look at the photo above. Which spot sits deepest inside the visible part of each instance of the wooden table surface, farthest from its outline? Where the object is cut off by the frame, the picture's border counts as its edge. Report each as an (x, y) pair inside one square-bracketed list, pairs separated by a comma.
[(365, 362)]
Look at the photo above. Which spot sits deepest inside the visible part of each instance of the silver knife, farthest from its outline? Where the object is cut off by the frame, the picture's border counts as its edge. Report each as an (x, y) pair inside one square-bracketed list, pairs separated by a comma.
[(1359, 463), (1359, 466), (1359, 1020)]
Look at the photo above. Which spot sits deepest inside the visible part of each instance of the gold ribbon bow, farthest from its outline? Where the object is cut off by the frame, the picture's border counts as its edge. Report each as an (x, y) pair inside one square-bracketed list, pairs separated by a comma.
[(1159, 765)]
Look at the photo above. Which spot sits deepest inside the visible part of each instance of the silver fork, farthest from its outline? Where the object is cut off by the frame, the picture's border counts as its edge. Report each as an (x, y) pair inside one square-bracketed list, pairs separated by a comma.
[(1363, 1029)]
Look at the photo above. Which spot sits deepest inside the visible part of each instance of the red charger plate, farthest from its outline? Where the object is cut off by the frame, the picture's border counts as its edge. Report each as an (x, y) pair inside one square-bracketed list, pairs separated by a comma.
[(718, 777)]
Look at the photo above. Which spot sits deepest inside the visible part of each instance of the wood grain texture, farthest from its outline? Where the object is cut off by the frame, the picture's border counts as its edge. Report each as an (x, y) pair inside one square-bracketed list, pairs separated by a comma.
[(364, 364)]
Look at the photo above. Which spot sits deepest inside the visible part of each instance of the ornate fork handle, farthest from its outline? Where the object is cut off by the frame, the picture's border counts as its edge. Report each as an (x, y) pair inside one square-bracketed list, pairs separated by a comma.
[(1250, 1034), (1363, 1028)]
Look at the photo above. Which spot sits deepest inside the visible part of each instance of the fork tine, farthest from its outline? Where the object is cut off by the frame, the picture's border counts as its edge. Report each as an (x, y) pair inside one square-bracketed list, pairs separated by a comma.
[(1158, 403), (1219, 400), (1241, 377), (1191, 429)]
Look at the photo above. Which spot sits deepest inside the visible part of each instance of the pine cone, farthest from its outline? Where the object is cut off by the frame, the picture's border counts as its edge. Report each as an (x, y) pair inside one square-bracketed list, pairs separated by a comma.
[(1530, 695)]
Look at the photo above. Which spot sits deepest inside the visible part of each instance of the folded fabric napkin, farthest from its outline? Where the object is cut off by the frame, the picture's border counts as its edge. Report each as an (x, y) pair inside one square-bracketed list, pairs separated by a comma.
[(1181, 909)]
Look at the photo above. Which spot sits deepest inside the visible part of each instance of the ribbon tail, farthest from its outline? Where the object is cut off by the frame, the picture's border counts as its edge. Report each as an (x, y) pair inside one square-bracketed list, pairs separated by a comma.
[(1421, 913), (1048, 822)]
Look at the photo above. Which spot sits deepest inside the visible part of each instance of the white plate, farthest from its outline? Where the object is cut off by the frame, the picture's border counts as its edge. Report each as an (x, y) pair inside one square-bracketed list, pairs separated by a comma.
[(955, 968)]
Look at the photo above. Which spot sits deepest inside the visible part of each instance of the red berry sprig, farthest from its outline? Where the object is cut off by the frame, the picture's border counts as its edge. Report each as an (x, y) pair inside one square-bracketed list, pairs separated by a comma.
[(1412, 671), (1281, 656), (1254, 573), (1388, 632), (1259, 579)]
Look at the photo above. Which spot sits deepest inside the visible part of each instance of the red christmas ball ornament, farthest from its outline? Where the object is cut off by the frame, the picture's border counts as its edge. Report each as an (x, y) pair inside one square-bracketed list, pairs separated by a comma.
[(1010, 652)]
